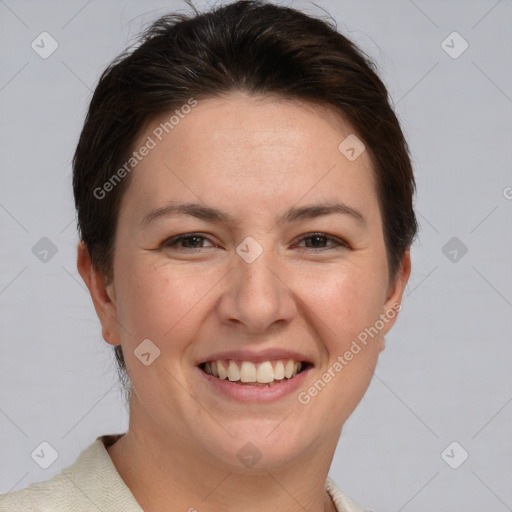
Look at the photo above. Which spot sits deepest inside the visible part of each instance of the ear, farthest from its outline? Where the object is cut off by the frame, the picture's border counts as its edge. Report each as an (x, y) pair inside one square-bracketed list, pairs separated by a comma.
[(103, 296), (395, 291)]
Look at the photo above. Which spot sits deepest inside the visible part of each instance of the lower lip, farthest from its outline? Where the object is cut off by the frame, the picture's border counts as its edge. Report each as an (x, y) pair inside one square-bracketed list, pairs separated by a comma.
[(248, 393)]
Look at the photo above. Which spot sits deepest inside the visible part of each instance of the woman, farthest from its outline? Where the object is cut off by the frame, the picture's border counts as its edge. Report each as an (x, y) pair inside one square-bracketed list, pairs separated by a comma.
[(244, 197)]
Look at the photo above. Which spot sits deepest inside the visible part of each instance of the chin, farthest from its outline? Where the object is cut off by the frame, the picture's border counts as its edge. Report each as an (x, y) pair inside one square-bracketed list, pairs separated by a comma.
[(258, 446)]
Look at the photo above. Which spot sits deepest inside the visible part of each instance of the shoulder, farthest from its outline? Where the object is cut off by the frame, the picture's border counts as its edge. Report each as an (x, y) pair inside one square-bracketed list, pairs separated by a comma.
[(51, 495), (91, 483), (342, 502)]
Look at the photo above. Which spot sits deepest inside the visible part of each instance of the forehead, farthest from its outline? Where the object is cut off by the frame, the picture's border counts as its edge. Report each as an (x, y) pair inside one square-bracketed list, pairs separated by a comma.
[(261, 149)]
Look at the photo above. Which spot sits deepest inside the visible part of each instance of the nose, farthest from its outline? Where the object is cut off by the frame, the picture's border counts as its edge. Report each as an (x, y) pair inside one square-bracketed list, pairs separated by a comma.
[(258, 296)]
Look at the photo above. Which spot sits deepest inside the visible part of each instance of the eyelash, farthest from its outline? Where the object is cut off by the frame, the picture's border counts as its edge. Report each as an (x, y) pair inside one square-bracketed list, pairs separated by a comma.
[(172, 242)]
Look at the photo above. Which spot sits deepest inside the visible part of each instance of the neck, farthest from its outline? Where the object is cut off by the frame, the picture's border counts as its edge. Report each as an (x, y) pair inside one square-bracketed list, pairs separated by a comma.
[(162, 471)]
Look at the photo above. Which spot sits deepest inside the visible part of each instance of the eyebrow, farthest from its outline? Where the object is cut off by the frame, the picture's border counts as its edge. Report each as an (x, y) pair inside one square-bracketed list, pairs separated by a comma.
[(214, 215)]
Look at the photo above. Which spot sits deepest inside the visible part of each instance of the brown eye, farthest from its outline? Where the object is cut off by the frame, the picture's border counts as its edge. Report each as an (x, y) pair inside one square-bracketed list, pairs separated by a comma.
[(317, 241), (188, 241)]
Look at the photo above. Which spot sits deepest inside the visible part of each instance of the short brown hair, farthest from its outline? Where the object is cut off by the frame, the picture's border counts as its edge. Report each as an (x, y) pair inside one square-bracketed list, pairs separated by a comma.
[(250, 46)]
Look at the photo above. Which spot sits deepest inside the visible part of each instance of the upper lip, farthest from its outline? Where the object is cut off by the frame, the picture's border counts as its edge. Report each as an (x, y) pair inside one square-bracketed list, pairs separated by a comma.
[(260, 356)]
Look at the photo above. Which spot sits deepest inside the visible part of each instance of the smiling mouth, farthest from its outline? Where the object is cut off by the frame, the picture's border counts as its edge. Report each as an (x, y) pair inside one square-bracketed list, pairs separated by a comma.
[(247, 373)]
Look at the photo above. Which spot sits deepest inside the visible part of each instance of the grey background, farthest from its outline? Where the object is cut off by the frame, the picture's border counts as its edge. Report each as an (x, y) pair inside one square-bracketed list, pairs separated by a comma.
[(445, 375)]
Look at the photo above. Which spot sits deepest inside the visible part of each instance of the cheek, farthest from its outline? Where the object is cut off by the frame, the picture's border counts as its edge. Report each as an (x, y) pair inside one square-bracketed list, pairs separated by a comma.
[(346, 301), (349, 307), (346, 312), (157, 301)]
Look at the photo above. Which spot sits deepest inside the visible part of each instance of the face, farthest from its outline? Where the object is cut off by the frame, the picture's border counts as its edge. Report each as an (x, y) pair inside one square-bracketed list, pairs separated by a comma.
[(247, 237)]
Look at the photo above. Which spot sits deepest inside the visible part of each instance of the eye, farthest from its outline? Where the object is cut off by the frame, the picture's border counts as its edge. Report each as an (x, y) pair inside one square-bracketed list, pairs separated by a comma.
[(317, 241), (186, 241)]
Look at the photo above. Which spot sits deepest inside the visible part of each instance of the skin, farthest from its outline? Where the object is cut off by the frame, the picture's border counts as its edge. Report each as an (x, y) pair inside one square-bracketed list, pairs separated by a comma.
[(254, 158)]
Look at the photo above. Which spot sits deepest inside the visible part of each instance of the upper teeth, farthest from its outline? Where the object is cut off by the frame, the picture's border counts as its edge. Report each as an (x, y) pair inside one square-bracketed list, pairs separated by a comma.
[(245, 371)]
